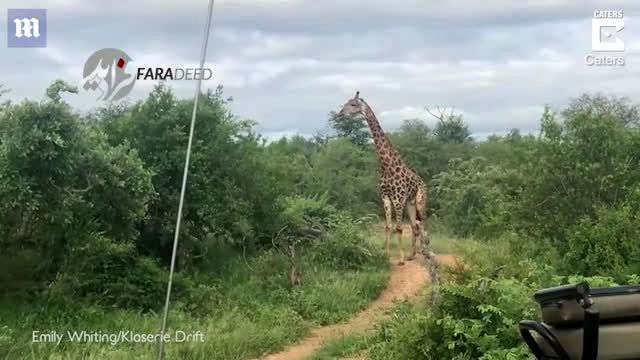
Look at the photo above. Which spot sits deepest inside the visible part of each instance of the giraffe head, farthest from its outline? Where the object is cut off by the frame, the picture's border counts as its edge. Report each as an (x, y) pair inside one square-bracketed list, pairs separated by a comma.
[(353, 106)]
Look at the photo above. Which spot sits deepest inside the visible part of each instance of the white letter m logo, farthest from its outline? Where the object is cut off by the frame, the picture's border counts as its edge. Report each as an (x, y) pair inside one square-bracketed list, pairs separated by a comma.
[(27, 27)]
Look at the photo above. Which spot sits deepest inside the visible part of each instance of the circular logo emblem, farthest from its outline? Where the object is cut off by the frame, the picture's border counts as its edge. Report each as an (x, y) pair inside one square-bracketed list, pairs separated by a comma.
[(105, 72)]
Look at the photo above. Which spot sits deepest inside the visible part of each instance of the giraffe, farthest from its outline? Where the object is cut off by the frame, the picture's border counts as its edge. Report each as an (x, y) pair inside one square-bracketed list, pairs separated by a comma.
[(400, 188)]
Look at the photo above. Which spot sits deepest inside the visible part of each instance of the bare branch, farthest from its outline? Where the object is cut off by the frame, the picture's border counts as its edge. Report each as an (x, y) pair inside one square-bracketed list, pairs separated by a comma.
[(439, 117), (244, 253), (273, 240), (441, 112), (71, 190), (205, 252)]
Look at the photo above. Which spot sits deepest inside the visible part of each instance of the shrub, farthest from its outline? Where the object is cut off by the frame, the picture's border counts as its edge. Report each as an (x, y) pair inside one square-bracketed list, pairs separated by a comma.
[(196, 299), (478, 320), (19, 270), (299, 212), (479, 309), (6, 339), (606, 244), (579, 165), (111, 274), (346, 173), (476, 198), (345, 246)]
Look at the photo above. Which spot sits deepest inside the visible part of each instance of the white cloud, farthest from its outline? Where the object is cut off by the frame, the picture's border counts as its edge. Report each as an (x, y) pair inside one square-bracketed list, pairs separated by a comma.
[(289, 62)]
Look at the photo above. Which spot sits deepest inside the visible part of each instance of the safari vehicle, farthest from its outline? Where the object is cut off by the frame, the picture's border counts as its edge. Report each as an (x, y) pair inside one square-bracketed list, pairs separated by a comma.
[(580, 323)]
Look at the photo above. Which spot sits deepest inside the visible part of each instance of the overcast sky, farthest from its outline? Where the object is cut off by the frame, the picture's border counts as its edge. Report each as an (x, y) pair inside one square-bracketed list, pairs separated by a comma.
[(288, 63)]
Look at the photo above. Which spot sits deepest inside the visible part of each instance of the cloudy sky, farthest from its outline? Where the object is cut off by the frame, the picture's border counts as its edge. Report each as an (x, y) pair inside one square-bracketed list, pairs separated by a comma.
[(288, 63)]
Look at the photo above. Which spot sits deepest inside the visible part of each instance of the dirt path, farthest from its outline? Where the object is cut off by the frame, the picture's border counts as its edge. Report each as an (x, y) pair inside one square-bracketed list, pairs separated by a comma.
[(405, 282)]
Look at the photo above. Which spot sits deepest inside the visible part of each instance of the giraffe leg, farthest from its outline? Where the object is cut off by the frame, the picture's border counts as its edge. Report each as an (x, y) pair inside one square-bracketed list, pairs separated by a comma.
[(387, 228), (421, 218), (434, 266), (415, 228), (399, 213)]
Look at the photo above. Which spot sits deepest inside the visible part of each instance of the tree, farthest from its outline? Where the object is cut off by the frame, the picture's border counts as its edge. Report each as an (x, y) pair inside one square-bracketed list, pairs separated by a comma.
[(347, 174), (288, 160), (476, 197), (230, 193), (3, 90), (350, 127), (418, 147), (510, 150), (59, 86), (60, 180), (582, 162), (599, 104), (450, 128)]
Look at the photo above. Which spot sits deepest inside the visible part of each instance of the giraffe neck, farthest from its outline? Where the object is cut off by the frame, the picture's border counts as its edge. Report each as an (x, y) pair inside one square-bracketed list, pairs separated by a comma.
[(385, 151)]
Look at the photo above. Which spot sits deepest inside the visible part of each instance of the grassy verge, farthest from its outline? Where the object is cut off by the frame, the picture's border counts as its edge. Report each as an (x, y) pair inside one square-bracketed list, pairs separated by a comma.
[(442, 243), (480, 306), (249, 310), (342, 347), (440, 240)]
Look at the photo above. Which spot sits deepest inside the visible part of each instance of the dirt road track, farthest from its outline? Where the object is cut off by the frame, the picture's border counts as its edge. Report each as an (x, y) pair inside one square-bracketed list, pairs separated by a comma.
[(405, 282)]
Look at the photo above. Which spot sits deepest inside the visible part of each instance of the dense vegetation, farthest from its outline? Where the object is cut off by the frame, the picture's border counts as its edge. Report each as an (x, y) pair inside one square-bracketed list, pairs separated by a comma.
[(537, 211), (274, 235), (88, 208)]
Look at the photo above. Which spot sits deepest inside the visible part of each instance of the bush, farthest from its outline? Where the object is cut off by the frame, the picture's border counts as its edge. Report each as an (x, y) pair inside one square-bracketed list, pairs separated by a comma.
[(479, 309), (59, 176), (402, 335), (476, 198), (109, 273), (19, 270), (299, 212), (345, 246), (6, 339), (475, 320), (605, 245), (346, 173), (579, 165), (479, 319), (196, 299)]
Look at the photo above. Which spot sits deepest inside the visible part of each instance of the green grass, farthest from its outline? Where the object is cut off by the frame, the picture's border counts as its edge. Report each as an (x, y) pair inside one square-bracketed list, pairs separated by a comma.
[(442, 243), (249, 311), (342, 347), (440, 240)]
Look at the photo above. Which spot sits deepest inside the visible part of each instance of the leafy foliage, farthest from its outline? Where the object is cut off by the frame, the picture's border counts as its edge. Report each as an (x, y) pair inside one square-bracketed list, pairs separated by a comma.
[(452, 129), (478, 312), (477, 198), (586, 162), (346, 174), (60, 179), (599, 104), (346, 247), (353, 128), (606, 244), (111, 274), (224, 152), (88, 209)]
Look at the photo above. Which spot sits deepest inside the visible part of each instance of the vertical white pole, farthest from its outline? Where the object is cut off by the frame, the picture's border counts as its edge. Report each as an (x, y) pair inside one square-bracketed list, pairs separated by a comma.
[(184, 179)]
